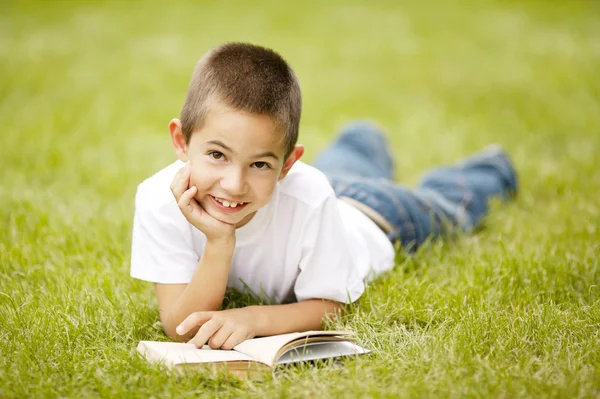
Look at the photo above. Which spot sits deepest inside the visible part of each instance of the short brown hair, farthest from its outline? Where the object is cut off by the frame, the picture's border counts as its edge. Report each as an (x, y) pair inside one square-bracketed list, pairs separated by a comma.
[(247, 78)]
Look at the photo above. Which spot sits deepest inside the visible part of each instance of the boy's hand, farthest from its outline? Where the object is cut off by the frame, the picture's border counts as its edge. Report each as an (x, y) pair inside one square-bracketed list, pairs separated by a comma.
[(222, 329), (212, 228)]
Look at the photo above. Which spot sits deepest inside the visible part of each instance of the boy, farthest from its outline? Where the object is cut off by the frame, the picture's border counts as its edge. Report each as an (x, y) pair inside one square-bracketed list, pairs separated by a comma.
[(240, 210)]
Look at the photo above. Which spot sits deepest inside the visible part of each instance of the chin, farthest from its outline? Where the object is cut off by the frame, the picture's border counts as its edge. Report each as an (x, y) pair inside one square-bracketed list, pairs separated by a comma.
[(229, 219), (223, 218)]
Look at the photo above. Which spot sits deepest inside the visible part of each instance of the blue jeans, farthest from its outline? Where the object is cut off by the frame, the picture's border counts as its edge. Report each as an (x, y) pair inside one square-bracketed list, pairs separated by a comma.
[(360, 167)]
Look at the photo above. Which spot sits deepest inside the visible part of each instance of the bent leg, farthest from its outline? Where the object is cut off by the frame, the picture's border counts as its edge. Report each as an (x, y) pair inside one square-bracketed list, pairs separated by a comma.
[(360, 150), (463, 191), (448, 198)]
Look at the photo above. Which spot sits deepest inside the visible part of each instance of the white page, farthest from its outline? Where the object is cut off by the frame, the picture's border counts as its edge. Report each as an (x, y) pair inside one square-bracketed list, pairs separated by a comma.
[(173, 353), (265, 349), (321, 350)]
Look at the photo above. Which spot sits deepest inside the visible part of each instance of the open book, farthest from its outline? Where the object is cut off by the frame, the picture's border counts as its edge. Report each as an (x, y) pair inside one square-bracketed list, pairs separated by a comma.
[(267, 351)]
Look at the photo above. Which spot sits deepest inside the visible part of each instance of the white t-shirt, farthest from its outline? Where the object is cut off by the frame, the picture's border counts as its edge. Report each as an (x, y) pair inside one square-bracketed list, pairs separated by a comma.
[(305, 243)]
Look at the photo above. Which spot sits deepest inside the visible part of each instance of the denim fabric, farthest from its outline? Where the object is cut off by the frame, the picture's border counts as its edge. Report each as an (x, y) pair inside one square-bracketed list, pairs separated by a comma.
[(359, 166)]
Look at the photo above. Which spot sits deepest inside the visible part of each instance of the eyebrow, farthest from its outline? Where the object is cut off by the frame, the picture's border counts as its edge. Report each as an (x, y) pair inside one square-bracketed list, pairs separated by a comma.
[(267, 154), (261, 155), (220, 144)]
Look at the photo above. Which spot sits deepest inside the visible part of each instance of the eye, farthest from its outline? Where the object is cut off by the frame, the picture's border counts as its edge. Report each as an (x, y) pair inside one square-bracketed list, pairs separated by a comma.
[(261, 165), (216, 155)]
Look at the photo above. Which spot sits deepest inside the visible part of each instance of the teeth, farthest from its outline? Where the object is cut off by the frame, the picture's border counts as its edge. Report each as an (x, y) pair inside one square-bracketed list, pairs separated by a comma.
[(229, 204)]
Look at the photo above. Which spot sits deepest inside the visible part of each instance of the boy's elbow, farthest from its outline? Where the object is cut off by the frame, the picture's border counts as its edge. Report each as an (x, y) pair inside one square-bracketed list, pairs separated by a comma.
[(170, 331), (169, 327), (334, 309)]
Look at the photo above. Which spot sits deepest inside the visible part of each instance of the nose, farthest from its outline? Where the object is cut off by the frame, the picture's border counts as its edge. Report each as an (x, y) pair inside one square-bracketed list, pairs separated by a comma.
[(234, 182)]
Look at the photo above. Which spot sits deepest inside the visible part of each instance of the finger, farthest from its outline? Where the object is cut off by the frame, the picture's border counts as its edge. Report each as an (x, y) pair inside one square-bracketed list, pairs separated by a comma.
[(237, 337), (193, 320), (219, 338), (177, 177), (187, 195), (185, 202), (180, 182), (206, 331)]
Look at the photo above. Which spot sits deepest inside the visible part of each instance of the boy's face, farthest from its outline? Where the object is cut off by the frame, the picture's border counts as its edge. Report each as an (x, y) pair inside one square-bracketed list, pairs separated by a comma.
[(236, 160)]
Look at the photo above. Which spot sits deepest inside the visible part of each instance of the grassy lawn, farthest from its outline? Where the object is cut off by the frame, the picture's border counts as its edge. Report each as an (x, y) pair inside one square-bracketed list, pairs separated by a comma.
[(88, 88)]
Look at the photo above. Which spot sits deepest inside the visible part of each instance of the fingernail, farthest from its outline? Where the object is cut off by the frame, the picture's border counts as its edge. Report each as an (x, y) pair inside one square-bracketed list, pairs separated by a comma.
[(179, 330)]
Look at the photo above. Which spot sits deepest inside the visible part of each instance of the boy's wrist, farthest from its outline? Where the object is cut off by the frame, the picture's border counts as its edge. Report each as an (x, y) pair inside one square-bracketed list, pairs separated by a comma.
[(261, 320), (227, 242)]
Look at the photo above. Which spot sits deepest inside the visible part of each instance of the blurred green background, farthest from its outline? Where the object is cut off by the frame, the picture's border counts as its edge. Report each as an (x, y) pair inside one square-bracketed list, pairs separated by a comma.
[(88, 88)]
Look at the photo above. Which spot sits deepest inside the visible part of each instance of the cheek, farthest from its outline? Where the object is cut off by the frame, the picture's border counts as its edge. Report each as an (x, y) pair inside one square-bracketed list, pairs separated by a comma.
[(263, 188), (201, 180)]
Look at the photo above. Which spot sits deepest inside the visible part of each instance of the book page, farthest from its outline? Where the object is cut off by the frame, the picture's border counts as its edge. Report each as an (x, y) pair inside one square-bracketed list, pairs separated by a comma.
[(266, 349), (174, 353), (321, 350)]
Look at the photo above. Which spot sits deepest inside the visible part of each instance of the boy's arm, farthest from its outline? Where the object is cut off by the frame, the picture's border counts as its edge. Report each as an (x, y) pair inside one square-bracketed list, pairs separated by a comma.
[(204, 292), (300, 316), (227, 328)]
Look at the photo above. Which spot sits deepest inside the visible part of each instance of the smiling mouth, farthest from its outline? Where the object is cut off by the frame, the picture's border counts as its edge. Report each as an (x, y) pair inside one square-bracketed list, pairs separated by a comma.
[(228, 206)]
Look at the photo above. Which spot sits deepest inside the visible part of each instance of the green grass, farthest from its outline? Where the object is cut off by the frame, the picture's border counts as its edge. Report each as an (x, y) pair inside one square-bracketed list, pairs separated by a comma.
[(89, 87)]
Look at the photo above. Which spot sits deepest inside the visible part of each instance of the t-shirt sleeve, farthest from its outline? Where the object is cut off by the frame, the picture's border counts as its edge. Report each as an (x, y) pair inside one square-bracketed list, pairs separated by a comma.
[(327, 267), (162, 249)]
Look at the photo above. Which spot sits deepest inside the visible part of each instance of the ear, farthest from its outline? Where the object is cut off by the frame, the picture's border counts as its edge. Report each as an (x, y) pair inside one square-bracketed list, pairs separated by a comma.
[(178, 139), (291, 160)]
